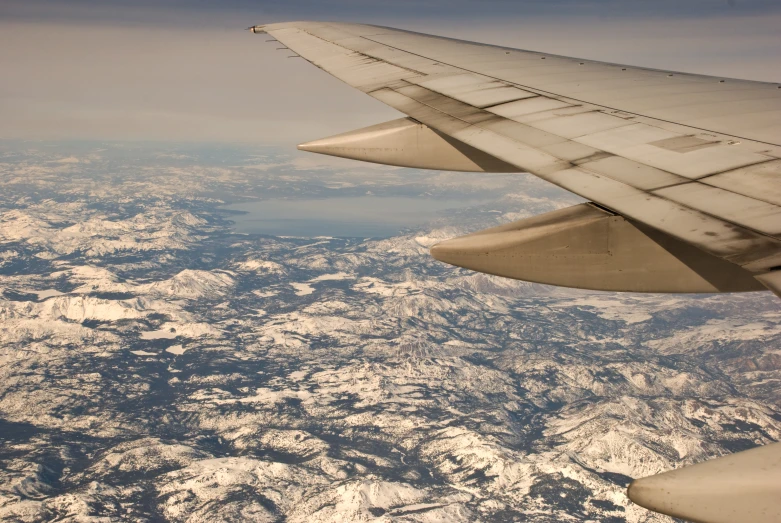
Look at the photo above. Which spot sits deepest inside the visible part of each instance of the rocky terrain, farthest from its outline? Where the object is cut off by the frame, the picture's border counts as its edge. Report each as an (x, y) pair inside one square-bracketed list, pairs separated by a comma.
[(157, 366)]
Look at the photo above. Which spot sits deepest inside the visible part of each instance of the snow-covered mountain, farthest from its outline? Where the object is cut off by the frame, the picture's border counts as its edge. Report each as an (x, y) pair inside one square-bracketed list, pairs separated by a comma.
[(155, 366)]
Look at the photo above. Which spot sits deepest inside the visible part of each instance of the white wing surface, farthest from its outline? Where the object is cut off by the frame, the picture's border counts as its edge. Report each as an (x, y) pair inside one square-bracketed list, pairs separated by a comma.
[(695, 158)]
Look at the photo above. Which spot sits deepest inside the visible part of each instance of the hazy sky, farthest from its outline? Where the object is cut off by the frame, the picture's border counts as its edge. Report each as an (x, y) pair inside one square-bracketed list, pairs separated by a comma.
[(184, 70)]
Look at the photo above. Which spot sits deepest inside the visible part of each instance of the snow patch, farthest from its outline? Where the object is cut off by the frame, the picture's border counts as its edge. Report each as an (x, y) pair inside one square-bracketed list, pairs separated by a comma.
[(192, 284), (176, 349), (161, 334), (332, 277), (47, 293), (302, 289)]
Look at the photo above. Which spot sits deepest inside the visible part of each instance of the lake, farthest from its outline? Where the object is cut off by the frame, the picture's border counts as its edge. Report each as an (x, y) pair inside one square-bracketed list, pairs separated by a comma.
[(363, 216)]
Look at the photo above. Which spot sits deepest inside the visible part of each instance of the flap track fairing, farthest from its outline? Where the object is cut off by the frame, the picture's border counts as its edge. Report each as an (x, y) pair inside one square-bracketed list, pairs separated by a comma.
[(408, 143), (588, 247)]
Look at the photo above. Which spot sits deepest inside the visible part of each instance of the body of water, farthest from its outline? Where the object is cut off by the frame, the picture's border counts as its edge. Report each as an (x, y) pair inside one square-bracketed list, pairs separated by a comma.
[(364, 216)]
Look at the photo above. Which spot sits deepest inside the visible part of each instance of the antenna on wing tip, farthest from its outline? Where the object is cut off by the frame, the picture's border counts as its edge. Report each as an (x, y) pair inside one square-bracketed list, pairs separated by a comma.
[(256, 29)]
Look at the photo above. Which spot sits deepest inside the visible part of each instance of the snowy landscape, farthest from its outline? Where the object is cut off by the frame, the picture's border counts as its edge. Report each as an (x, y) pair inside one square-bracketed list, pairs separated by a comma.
[(160, 363)]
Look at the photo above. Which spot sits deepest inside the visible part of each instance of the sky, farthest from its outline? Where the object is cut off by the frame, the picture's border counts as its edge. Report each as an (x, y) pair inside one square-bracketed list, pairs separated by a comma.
[(186, 70)]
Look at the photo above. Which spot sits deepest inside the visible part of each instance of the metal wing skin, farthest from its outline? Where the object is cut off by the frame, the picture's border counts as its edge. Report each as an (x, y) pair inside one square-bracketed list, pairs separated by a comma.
[(683, 174), (695, 159)]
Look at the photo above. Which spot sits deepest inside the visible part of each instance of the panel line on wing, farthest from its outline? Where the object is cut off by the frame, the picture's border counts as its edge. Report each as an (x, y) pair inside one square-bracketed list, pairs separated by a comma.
[(760, 181)]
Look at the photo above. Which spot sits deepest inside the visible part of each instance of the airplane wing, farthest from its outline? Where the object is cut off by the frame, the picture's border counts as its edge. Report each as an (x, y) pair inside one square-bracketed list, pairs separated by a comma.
[(683, 174), (684, 169)]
